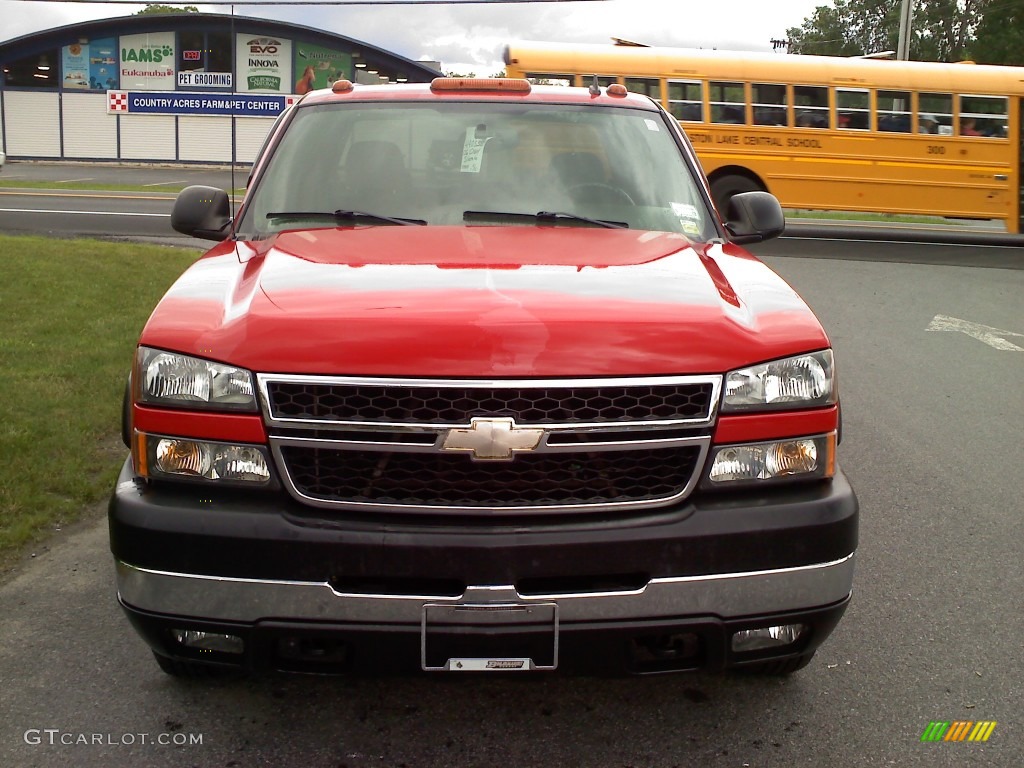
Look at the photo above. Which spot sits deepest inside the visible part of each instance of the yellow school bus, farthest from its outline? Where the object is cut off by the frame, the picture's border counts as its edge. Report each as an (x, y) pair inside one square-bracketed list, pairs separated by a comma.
[(825, 132)]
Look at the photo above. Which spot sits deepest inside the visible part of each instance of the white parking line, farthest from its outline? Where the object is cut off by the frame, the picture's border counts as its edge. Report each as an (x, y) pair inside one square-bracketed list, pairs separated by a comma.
[(71, 181), (909, 241), (86, 213), (164, 183)]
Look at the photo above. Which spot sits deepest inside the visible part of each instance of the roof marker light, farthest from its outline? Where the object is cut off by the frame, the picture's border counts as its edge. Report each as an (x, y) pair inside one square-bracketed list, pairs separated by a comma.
[(508, 84), (342, 86), (616, 89)]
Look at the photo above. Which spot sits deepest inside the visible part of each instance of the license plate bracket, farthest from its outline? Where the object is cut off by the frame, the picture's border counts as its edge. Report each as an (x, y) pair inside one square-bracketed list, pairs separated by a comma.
[(489, 637)]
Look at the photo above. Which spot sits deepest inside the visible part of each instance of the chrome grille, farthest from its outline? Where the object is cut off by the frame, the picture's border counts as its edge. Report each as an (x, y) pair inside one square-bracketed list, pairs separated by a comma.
[(533, 480), (551, 402), (414, 445)]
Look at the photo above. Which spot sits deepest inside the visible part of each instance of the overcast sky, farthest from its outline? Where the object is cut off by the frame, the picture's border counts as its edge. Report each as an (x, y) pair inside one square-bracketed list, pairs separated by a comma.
[(470, 37)]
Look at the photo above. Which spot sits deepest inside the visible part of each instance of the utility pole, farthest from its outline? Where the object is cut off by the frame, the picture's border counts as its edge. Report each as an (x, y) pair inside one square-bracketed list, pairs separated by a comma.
[(906, 18)]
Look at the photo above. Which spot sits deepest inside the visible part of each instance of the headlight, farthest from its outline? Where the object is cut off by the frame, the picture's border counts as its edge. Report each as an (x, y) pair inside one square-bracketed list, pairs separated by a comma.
[(185, 459), (804, 381), (795, 458), (169, 379)]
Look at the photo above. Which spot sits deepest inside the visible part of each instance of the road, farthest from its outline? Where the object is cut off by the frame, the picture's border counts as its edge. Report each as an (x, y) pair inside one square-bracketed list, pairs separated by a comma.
[(931, 444), (65, 210), (151, 176), (145, 216)]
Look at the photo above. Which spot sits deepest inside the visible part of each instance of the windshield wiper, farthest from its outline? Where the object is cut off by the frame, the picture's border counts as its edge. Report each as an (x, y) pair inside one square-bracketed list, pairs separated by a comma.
[(555, 215), (542, 216), (343, 215)]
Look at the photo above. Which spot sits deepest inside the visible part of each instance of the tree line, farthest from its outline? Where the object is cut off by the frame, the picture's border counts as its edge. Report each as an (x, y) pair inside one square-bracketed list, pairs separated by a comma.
[(984, 31)]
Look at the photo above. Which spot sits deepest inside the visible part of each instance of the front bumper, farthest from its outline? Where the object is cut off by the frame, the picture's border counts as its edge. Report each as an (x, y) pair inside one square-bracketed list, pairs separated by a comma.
[(284, 577)]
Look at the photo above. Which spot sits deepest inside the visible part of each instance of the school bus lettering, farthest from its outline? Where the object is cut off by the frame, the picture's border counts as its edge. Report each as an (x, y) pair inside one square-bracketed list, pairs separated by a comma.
[(811, 143)]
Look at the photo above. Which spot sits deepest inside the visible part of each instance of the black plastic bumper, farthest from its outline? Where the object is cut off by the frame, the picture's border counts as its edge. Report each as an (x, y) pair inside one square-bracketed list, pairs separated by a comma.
[(269, 536), (301, 588), (684, 644)]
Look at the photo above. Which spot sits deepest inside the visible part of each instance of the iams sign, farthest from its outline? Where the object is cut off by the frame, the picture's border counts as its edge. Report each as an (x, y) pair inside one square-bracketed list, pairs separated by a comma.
[(155, 55)]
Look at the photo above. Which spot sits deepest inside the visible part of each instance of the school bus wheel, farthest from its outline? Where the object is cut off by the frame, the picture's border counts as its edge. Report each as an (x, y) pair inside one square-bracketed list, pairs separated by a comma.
[(724, 187)]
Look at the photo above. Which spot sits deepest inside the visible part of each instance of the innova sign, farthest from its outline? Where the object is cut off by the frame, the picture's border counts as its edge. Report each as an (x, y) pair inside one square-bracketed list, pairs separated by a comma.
[(263, 64)]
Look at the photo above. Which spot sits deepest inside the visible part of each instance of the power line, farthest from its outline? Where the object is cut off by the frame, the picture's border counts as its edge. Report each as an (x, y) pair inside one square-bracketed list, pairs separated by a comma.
[(308, 2)]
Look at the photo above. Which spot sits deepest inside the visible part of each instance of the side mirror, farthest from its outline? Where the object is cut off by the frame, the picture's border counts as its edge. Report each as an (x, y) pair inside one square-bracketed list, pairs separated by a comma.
[(754, 217), (203, 212)]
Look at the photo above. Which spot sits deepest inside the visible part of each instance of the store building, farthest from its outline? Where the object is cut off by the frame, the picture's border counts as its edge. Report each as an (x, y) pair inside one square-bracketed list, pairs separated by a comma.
[(183, 87)]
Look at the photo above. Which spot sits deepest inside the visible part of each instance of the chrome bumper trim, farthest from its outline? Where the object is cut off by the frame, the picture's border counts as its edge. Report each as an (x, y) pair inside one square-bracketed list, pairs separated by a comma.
[(729, 595), (265, 379)]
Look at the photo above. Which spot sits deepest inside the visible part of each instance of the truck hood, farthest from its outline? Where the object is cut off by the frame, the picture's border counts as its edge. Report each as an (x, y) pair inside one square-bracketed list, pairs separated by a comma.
[(482, 302)]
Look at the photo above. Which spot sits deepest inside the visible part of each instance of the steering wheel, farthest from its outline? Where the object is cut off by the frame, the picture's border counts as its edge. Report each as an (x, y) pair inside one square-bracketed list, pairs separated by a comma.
[(599, 192)]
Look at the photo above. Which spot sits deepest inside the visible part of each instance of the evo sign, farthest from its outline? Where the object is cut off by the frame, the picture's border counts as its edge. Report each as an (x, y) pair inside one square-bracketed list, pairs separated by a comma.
[(205, 104), (263, 64)]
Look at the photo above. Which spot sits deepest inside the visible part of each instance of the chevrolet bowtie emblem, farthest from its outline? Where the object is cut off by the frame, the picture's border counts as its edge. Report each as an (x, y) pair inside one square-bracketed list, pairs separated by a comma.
[(492, 439)]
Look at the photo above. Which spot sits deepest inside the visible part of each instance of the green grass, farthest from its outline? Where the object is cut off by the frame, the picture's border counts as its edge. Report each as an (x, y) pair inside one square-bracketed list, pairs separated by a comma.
[(170, 189), (878, 218), (72, 313)]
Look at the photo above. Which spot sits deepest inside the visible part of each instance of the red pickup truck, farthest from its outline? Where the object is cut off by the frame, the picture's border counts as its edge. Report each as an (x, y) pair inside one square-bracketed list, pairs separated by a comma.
[(478, 379)]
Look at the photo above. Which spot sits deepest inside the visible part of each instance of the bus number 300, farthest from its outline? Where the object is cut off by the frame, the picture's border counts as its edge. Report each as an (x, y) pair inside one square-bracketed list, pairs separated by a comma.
[(935, 149)]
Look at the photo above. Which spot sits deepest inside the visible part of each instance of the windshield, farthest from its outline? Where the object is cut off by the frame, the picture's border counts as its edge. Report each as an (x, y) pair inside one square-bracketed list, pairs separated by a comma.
[(477, 164)]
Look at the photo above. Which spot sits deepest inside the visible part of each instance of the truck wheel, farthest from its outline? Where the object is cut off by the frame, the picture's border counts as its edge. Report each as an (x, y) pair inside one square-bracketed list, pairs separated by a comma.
[(778, 667), (724, 187), (187, 669)]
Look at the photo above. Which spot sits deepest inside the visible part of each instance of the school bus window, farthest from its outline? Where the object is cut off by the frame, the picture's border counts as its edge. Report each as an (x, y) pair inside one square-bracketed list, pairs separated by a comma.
[(894, 111), (648, 87), (811, 106), (917, 104), (770, 103), (602, 80), (984, 116), (935, 113), (685, 101), (853, 109), (727, 102), (547, 79)]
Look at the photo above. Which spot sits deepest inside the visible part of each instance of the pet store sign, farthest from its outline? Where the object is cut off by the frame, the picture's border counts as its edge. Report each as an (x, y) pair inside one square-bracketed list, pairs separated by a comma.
[(147, 61), (264, 64), (203, 104)]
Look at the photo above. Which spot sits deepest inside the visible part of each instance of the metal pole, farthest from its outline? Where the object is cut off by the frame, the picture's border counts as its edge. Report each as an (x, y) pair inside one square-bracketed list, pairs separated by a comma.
[(906, 17)]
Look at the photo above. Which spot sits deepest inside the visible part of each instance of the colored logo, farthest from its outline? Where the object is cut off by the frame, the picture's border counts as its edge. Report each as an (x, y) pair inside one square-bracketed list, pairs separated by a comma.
[(958, 730), (152, 54), (263, 45)]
